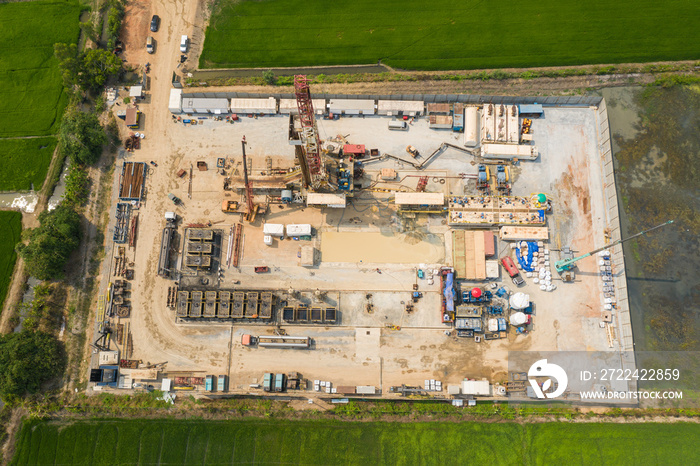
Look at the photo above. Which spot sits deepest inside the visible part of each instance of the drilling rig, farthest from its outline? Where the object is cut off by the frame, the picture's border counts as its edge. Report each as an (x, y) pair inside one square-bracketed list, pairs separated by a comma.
[(309, 153), (252, 209)]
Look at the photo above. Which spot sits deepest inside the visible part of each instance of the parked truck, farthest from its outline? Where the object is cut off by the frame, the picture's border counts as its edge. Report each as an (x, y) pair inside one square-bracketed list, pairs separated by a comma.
[(512, 270)]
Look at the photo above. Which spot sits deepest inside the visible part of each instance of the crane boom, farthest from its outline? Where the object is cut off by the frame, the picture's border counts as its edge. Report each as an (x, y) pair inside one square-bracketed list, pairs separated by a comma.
[(567, 264), (248, 187)]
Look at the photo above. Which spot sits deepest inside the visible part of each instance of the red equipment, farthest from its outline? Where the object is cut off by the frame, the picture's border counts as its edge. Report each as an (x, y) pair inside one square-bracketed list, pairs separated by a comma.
[(309, 133)]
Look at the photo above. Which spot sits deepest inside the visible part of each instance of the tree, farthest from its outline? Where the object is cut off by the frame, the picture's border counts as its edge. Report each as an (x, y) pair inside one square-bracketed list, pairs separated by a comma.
[(68, 63), (89, 70), (77, 186), (27, 360), (97, 65), (51, 243), (81, 136)]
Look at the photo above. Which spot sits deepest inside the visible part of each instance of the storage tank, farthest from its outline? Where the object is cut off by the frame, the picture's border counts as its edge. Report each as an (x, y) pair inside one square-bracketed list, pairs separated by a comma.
[(287, 196)]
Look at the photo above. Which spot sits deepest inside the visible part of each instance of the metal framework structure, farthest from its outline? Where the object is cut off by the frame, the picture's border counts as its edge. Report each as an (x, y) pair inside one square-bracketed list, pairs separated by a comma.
[(312, 166), (248, 185)]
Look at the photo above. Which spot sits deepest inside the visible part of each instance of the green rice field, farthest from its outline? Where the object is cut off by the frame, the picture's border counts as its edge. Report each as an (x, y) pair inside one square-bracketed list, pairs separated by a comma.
[(184, 442), (10, 230), (31, 88), (17, 173), (444, 34)]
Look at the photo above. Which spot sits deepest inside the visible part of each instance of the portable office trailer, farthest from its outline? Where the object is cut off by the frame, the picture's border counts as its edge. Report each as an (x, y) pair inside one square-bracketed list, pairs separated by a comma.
[(205, 105), (299, 230), (273, 229), (253, 106), (400, 107), (440, 122), (352, 106), (289, 106)]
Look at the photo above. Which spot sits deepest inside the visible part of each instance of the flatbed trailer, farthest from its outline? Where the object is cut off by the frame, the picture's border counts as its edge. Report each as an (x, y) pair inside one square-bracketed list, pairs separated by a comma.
[(283, 341)]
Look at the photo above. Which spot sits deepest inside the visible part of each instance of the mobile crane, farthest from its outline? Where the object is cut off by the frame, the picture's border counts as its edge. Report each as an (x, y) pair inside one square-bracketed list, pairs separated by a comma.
[(568, 264)]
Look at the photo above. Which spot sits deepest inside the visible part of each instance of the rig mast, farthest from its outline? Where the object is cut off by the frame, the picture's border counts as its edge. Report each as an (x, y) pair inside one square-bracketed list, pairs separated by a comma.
[(310, 153)]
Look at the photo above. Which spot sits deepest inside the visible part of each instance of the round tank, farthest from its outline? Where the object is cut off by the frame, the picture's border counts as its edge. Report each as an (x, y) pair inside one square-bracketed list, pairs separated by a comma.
[(286, 195)]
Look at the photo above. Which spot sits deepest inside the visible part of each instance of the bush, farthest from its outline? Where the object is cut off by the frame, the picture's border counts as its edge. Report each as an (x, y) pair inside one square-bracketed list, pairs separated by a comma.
[(269, 77)]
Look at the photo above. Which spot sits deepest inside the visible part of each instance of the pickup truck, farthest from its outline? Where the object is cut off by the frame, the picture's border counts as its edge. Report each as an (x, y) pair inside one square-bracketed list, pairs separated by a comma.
[(512, 270)]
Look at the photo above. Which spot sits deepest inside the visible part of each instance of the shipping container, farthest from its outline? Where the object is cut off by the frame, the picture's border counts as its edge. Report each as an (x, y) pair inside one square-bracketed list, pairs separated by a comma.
[(221, 383), (209, 383), (267, 382), (279, 382)]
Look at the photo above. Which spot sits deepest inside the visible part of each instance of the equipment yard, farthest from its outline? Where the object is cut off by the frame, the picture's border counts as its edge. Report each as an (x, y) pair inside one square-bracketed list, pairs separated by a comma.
[(374, 251)]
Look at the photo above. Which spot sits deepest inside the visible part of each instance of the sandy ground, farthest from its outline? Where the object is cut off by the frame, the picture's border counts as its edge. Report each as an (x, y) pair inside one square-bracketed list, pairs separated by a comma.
[(566, 319)]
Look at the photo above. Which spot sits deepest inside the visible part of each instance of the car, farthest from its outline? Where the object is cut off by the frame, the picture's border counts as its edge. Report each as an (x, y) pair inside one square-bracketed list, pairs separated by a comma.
[(155, 23), (184, 42), (149, 45)]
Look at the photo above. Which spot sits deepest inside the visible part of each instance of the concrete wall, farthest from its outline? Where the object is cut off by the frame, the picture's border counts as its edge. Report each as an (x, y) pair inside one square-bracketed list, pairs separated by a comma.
[(622, 321)]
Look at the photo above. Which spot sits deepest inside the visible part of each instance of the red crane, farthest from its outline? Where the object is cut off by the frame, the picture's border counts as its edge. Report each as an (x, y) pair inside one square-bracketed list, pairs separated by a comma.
[(312, 166)]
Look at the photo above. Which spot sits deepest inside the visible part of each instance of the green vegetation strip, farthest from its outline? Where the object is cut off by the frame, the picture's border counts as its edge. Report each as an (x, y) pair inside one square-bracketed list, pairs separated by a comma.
[(31, 87), (444, 34), (334, 442), (10, 230), (25, 162)]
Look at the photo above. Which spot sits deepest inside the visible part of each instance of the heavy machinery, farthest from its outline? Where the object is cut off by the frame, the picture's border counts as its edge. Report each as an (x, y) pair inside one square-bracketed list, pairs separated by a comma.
[(229, 206), (252, 209), (482, 180), (413, 151), (527, 123), (564, 265), (502, 177)]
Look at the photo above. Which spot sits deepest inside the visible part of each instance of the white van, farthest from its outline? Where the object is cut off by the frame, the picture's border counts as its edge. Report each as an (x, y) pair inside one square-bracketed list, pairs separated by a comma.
[(398, 125), (184, 42)]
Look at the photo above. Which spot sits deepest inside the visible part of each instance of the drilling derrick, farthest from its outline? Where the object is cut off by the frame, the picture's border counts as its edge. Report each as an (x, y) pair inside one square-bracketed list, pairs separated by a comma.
[(310, 154)]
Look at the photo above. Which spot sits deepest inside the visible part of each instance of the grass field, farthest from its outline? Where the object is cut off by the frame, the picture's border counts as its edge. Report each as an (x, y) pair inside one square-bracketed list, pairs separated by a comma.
[(444, 34), (31, 89), (186, 442), (10, 229), (17, 173)]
